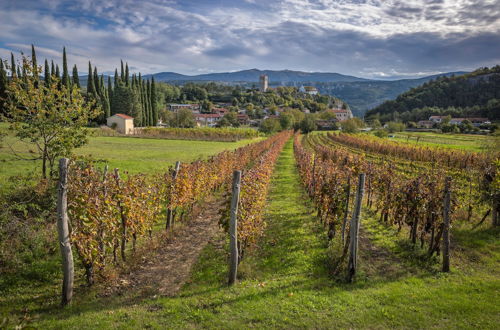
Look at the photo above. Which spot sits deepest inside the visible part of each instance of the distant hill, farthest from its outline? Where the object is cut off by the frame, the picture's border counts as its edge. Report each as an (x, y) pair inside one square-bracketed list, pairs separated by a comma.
[(361, 94), (472, 94), (276, 77)]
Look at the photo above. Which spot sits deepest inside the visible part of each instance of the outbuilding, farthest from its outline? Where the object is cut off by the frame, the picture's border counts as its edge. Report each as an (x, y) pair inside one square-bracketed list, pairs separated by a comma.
[(122, 123)]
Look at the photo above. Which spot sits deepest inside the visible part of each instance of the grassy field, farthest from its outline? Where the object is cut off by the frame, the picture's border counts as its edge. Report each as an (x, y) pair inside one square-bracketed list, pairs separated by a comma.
[(127, 153), (455, 141), (286, 283)]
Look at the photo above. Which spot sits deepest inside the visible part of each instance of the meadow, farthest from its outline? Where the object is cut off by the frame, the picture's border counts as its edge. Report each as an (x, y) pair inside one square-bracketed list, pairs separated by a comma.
[(135, 155), (286, 278), (467, 142)]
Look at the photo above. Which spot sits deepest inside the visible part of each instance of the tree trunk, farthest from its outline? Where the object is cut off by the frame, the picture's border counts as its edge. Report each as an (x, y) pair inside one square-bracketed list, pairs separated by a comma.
[(354, 232)]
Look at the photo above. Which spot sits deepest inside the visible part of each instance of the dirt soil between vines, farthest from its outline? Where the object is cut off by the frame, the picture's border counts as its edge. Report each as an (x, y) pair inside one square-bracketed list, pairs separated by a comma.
[(163, 265)]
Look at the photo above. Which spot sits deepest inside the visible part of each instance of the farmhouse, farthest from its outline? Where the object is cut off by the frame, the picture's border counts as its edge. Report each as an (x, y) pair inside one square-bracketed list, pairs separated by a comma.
[(207, 119), (437, 119), (326, 124), (426, 123), (342, 114), (123, 123), (243, 119), (176, 107), (308, 90)]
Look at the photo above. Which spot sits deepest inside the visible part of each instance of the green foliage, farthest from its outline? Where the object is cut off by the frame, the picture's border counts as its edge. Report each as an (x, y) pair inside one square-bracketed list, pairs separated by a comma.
[(476, 94), (270, 125), (308, 124), (352, 125), (200, 133), (126, 101), (394, 127), (51, 117), (381, 133), (183, 118), (229, 119)]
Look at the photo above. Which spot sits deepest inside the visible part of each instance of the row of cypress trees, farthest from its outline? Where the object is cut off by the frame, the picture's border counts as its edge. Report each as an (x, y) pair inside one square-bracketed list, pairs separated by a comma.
[(131, 95)]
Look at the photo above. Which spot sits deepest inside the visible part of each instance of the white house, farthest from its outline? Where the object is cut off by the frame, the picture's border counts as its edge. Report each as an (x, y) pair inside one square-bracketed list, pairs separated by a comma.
[(122, 123), (309, 90), (207, 119)]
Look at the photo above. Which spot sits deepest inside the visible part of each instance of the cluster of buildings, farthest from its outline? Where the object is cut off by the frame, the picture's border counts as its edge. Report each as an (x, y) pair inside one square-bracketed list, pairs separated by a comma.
[(436, 120)]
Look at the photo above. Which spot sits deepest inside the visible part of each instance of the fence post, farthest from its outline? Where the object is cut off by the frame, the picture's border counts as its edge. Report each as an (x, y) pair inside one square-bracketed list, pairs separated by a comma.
[(170, 216), (346, 212), (63, 232), (354, 230), (233, 228), (446, 223)]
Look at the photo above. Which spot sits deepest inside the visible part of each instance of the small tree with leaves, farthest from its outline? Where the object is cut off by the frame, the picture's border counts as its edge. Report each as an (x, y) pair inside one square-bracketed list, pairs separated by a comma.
[(50, 117)]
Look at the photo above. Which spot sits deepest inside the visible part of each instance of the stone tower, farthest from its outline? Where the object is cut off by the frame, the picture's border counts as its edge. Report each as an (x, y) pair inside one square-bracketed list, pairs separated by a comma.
[(264, 82)]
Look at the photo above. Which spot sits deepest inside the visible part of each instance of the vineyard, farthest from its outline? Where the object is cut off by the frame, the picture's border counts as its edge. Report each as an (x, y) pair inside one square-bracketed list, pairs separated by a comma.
[(108, 211), (325, 223), (199, 133)]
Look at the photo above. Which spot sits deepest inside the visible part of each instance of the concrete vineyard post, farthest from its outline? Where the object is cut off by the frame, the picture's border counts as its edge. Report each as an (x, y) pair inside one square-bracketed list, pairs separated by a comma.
[(233, 228), (354, 230), (63, 232), (170, 214), (446, 225)]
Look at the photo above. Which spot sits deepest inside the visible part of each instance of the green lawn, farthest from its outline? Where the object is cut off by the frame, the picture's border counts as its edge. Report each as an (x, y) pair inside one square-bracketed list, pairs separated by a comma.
[(455, 141), (285, 282), (127, 153)]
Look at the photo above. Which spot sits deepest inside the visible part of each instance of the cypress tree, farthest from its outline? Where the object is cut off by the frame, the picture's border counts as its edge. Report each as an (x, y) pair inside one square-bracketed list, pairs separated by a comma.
[(116, 78), (90, 82), (102, 87), (154, 108), (126, 75), (19, 73), (12, 66), (3, 85), (65, 76), (144, 104), (110, 91), (52, 69), (96, 82), (47, 74), (148, 100), (122, 72), (106, 106), (58, 73), (76, 79), (33, 61)]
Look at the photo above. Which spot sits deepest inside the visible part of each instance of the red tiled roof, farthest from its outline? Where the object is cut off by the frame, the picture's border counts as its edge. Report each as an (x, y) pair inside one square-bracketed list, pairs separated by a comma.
[(121, 115), (208, 115)]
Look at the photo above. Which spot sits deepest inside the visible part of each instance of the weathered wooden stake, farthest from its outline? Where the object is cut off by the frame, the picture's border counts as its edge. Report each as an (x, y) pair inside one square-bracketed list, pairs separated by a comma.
[(233, 228), (354, 230), (124, 220), (170, 215), (346, 212), (446, 223), (63, 232)]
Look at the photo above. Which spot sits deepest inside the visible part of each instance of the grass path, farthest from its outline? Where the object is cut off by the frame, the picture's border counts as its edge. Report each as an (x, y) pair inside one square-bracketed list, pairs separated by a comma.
[(284, 283)]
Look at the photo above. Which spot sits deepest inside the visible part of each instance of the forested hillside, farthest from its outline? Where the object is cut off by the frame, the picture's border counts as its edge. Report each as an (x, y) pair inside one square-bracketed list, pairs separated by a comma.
[(476, 94)]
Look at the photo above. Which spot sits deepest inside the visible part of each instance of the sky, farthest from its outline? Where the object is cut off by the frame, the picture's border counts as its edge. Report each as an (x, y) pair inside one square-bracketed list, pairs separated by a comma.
[(380, 39)]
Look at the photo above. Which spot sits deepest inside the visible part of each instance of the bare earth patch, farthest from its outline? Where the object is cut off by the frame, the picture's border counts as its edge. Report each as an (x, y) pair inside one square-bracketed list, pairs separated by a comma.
[(162, 266)]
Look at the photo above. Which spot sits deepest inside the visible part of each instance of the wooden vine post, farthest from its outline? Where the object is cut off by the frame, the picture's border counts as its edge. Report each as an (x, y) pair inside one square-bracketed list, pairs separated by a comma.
[(354, 230), (446, 225), (170, 213), (233, 228), (346, 211), (63, 232)]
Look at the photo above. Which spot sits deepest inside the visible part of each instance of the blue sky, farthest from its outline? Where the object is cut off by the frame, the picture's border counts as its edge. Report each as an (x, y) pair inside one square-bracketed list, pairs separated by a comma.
[(369, 38)]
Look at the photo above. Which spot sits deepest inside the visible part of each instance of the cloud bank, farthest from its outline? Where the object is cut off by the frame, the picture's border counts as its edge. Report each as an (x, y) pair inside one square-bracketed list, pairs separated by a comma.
[(368, 38)]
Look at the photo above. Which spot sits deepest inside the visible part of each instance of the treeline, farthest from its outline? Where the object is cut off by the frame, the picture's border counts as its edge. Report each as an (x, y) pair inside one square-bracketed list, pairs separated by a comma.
[(125, 93), (476, 94)]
